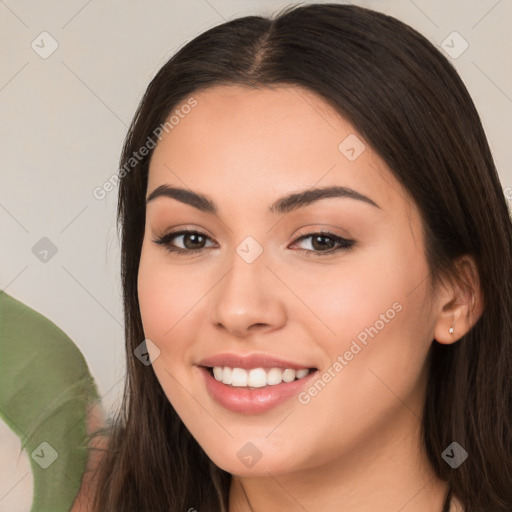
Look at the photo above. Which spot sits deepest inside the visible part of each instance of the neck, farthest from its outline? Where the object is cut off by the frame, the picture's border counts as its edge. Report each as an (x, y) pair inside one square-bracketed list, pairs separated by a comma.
[(388, 471)]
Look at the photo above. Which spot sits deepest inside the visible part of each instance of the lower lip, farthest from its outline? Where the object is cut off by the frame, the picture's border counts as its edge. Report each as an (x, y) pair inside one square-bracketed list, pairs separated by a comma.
[(252, 401)]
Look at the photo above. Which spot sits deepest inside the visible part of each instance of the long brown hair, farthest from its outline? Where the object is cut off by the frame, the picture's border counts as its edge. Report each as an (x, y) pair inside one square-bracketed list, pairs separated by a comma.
[(407, 101)]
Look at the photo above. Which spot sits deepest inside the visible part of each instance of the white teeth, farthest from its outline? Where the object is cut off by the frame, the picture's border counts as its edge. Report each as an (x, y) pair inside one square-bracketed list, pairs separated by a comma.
[(226, 375), (256, 377), (239, 377), (217, 372), (274, 376), (301, 373), (289, 375)]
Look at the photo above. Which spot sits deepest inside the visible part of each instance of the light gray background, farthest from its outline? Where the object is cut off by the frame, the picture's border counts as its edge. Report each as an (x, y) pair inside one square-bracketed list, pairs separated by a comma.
[(63, 119)]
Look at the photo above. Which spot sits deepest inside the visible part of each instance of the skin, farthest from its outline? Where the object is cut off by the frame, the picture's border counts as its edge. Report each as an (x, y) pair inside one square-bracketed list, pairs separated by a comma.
[(357, 441)]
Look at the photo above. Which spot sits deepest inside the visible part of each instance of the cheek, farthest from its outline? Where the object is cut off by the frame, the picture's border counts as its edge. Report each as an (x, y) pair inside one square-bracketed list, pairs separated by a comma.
[(173, 307), (382, 324), (154, 299), (371, 313), (165, 298), (344, 299), (165, 294)]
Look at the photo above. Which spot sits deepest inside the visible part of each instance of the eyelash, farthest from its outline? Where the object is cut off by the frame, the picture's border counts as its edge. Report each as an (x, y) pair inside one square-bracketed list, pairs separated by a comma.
[(344, 244)]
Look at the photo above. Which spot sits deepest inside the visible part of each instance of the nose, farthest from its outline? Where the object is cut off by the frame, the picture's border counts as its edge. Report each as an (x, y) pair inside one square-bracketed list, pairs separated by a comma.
[(248, 299)]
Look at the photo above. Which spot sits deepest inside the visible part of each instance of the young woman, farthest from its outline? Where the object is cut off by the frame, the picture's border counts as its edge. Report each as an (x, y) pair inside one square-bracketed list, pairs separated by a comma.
[(316, 261)]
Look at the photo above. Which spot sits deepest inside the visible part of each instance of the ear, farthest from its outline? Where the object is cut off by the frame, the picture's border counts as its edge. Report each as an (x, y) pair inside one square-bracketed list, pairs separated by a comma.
[(460, 302)]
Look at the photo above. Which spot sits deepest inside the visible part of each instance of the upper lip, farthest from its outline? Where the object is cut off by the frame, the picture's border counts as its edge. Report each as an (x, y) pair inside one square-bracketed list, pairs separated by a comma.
[(250, 361)]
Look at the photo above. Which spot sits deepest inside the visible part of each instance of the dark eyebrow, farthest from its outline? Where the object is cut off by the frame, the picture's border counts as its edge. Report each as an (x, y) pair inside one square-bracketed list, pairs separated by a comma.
[(282, 205), (194, 199), (299, 199)]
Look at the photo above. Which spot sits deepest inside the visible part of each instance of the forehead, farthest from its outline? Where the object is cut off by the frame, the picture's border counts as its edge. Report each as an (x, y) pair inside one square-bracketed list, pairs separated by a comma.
[(249, 143)]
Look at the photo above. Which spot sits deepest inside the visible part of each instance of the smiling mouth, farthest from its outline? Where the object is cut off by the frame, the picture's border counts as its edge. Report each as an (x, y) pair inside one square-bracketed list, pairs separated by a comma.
[(256, 378)]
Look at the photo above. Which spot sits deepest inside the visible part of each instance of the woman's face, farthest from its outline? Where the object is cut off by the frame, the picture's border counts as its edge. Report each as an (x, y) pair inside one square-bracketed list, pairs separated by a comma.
[(337, 283)]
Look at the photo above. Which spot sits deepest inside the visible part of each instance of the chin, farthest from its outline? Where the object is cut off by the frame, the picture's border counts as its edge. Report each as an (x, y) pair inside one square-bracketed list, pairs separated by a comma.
[(253, 459)]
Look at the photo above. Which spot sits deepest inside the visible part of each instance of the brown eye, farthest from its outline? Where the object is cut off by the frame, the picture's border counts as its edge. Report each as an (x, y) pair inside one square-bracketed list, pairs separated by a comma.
[(191, 241), (324, 243)]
